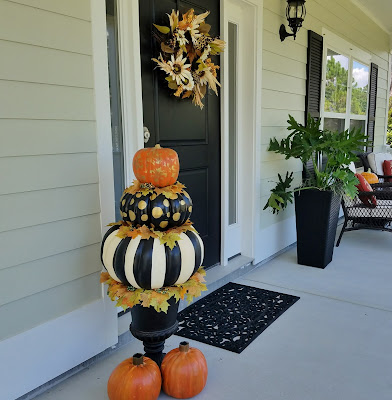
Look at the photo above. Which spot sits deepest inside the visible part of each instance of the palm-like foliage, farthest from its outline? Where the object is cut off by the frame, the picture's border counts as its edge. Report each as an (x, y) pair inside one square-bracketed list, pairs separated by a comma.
[(310, 143)]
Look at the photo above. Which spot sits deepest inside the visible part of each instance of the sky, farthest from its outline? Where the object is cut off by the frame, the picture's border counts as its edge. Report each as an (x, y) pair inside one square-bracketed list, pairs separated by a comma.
[(360, 74), (360, 71)]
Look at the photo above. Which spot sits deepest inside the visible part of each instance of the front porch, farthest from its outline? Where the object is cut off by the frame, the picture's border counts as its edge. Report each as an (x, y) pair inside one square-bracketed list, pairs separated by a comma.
[(334, 343)]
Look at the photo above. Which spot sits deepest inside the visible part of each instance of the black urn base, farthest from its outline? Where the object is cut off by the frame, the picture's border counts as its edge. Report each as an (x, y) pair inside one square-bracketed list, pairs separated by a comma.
[(153, 328), (316, 215)]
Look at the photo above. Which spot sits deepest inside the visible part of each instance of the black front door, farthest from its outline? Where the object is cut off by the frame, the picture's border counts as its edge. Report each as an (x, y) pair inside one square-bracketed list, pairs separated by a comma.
[(182, 126)]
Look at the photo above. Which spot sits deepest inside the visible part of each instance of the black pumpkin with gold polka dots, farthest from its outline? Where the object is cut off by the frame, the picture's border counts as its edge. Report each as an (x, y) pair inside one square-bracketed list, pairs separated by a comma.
[(156, 209)]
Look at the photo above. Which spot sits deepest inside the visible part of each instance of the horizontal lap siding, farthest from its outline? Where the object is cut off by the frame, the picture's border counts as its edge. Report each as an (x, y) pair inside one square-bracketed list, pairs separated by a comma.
[(284, 79), (49, 194), (48, 304)]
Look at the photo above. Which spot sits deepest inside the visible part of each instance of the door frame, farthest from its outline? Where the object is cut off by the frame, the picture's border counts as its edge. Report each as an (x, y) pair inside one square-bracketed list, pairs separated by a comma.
[(132, 114), (247, 127)]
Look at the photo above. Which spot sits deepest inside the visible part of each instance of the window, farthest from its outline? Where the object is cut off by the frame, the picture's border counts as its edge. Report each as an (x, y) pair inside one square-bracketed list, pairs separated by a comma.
[(345, 88)]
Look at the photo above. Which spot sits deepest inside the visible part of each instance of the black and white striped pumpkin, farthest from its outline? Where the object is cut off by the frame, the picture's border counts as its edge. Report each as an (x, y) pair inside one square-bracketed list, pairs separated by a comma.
[(148, 264), (155, 209)]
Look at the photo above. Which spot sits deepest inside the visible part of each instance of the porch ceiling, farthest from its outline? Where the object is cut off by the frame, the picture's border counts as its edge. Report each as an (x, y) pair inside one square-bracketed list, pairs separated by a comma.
[(378, 10)]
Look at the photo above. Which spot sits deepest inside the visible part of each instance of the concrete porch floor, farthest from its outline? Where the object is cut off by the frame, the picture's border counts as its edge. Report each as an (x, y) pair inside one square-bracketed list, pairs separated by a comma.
[(334, 343)]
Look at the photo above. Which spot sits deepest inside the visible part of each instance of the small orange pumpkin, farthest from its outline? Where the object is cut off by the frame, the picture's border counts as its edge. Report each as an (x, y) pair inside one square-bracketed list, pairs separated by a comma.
[(184, 372), (156, 165), (370, 177), (136, 378)]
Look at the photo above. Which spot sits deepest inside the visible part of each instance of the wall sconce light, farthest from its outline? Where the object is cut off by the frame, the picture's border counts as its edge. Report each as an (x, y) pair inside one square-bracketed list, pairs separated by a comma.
[(295, 14)]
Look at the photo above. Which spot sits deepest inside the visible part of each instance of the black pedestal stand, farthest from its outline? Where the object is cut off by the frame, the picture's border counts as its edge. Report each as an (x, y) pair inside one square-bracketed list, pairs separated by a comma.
[(153, 328)]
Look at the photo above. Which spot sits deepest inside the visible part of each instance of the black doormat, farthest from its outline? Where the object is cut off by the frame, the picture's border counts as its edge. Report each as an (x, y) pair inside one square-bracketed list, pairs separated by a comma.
[(232, 316)]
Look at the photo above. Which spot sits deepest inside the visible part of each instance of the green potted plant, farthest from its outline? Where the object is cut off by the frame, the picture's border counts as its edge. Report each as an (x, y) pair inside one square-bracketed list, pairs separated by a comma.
[(317, 200)]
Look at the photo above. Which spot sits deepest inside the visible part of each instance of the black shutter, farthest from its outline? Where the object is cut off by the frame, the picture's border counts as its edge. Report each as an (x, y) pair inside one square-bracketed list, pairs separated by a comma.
[(372, 104), (314, 68)]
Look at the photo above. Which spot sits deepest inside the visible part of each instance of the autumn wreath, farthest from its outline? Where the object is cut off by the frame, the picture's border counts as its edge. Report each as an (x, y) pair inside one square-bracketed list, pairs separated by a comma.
[(186, 54)]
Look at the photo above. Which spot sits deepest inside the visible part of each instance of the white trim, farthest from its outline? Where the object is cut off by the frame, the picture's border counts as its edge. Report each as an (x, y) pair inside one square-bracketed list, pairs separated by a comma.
[(353, 53), (102, 111), (389, 77), (248, 125), (50, 349), (130, 82)]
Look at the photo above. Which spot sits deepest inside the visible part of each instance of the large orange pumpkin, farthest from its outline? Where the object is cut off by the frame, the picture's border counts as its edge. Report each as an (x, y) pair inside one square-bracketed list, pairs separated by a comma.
[(156, 165), (184, 372), (370, 177), (136, 378)]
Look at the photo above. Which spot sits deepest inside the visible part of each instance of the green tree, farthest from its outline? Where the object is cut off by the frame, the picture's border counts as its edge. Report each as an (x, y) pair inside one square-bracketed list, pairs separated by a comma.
[(336, 90), (359, 98), (335, 87), (389, 129)]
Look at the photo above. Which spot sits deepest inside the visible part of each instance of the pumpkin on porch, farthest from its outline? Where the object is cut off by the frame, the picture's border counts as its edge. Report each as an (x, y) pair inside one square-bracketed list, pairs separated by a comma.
[(161, 212), (184, 372), (370, 177), (137, 378), (148, 263), (156, 165)]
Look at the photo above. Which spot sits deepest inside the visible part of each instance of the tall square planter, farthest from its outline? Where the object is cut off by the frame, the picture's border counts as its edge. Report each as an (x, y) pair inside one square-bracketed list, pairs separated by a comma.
[(316, 215)]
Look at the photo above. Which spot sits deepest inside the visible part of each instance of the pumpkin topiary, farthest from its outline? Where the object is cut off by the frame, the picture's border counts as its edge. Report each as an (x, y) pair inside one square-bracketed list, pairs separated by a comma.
[(148, 263), (156, 210), (156, 165), (184, 372), (137, 378), (370, 177)]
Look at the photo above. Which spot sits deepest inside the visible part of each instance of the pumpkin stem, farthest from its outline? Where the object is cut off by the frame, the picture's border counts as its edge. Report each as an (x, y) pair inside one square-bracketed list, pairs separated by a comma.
[(158, 146), (184, 347), (137, 359)]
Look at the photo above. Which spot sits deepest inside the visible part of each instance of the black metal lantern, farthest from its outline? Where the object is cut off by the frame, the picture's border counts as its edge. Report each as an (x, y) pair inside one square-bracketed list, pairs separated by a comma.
[(295, 14)]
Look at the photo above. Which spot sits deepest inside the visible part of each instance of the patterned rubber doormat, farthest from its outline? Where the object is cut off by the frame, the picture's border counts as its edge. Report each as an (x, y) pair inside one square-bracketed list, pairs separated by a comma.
[(233, 316)]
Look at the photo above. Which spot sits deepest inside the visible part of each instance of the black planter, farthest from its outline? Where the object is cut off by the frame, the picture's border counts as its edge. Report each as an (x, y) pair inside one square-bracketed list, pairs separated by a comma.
[(316, 215), (153, 328)]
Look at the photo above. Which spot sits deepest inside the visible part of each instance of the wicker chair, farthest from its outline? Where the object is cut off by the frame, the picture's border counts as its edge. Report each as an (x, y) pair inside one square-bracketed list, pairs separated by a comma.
[(357, 215), (372, 161)]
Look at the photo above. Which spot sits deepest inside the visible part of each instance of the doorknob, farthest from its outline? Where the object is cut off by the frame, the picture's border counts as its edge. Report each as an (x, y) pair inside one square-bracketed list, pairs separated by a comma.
[(146, 134)]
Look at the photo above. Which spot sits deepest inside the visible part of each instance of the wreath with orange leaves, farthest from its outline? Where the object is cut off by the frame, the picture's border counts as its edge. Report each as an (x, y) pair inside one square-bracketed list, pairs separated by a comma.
[(186, 51)]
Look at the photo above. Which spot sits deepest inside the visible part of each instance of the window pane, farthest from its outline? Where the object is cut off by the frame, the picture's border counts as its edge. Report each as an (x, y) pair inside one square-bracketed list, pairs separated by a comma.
[(115, 108), (359, 95), (336, 82), (334, 124), (232, 53), (355, 124)]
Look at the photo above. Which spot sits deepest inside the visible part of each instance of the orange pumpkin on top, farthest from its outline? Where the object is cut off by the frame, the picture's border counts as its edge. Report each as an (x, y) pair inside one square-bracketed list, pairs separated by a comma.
[(157, 166)]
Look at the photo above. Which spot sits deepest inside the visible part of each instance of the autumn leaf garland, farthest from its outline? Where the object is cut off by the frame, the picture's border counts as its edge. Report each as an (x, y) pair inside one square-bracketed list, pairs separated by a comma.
[(128, 296), (169, 237), (169, 192)]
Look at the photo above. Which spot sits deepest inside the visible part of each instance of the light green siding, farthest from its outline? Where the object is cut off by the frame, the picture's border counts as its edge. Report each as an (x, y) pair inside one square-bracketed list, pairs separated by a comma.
[(284, 77), (49, 194)]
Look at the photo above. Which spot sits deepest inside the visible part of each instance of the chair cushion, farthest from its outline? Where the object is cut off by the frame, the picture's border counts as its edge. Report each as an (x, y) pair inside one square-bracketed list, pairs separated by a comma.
[(376, 161), (383, 210), (387, 168), (352, 167), (364, 186)]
